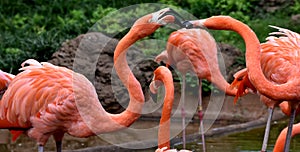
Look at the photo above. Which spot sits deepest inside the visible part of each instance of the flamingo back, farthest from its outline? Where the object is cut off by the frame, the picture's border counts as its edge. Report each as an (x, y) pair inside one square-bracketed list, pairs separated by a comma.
[(32, 91), (280, 56)]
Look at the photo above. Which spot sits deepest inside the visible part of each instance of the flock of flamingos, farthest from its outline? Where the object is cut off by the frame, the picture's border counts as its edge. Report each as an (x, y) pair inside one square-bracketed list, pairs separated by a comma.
[(46, 100)]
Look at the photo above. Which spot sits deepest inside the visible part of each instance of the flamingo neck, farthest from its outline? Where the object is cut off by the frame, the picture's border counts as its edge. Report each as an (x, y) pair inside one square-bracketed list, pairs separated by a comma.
[(218, 79), (133, 86), (276, 92), (279, 145), (94, 114), (164, 125)]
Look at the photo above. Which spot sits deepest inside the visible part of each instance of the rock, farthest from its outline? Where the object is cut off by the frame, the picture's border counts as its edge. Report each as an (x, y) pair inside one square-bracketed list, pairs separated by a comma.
[(296, 18), (273, 5), (230, 56)]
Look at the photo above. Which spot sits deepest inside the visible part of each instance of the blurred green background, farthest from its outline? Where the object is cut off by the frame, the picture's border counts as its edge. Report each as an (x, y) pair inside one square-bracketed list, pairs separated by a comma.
[(37, 28)]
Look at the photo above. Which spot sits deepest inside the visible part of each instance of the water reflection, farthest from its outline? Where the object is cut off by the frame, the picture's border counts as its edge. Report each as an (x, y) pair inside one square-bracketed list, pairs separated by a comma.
[(249, 141)]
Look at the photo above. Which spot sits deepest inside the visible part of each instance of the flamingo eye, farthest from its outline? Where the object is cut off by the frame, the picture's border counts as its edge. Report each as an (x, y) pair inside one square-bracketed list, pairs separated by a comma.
[(240, 78), (26, 64)]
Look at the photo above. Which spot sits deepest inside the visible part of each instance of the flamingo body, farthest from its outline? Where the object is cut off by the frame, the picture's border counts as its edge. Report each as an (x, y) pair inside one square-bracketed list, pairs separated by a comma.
[(279, 61), (41, 101), (195, 50)]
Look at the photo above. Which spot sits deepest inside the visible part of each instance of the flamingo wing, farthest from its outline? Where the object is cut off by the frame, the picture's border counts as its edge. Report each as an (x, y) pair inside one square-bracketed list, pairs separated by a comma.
[(32, 91), (280, 56), (185, 48)]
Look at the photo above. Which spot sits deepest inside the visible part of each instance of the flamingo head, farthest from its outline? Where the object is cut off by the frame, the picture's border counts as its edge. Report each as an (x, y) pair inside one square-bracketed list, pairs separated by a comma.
[(167, 15), (242, 83), (149, 23), (155, 84), (162, 57), (160, 74)]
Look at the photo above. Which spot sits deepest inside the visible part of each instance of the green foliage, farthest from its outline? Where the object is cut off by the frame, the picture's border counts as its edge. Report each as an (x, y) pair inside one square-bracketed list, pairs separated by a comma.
[(296, 6), (37, 28), (114, 23), (206, 8), (101, 12)]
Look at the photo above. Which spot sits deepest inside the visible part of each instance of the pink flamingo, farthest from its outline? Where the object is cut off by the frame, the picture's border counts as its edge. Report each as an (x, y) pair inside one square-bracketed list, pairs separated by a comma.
[(195, 50), (278, 79), (163, 74), (285, 44)]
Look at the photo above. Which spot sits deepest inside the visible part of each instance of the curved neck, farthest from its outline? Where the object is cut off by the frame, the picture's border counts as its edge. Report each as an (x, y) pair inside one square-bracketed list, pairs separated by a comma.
[(256, 76), (279, 145), (218, 79), (134, 88), (164, 124), (132, 112), (165, 121), (214, 76), (95, 114)]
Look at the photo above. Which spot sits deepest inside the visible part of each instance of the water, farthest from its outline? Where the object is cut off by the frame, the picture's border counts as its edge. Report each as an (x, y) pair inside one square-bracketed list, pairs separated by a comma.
[(248, 141)]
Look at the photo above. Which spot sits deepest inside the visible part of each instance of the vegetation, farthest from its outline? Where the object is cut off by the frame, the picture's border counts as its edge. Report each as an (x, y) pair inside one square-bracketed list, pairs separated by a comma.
[(37, 28)]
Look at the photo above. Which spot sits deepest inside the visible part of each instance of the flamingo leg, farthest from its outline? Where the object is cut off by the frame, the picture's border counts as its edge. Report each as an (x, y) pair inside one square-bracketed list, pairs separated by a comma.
[(58, 140), (290, 128), (40, 148), (183, 111), (58, 146), (200, 115), (267, 130)]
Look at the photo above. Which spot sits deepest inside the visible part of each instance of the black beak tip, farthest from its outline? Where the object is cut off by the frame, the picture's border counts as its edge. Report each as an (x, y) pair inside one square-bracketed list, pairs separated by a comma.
[(187, 24)]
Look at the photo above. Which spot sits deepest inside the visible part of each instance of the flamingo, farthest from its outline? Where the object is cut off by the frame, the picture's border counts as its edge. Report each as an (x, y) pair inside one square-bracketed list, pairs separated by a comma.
[(279, 145), (45, 99), (277, 79), (195, 50), (163, 74), (242, 81)]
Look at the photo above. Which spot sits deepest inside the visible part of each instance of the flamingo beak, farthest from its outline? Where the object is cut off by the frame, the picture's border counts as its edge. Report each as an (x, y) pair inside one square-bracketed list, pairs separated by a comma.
[(187, 24), (167, 15), (154, 85), (153, 90)]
